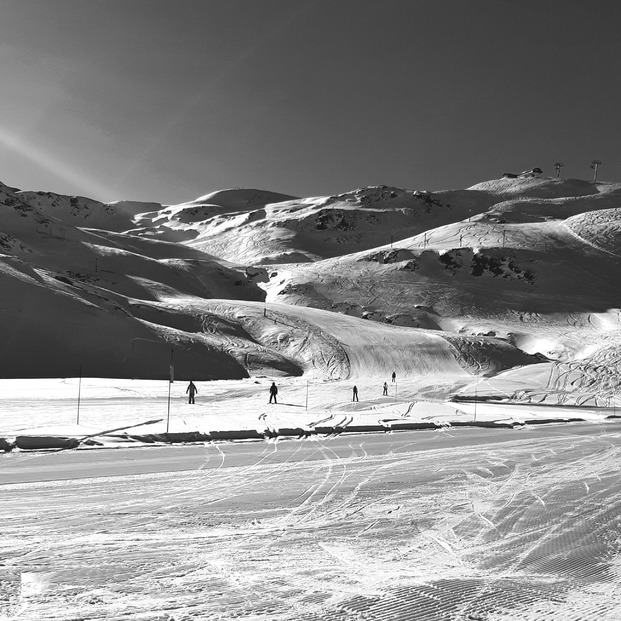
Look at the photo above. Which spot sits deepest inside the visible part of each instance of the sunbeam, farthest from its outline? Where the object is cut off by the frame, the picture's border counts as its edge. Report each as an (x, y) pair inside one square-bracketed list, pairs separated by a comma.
[(16, 146)]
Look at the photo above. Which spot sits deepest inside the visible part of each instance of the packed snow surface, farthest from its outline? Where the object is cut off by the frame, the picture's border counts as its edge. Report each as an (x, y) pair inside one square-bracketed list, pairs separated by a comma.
[(429, 526)]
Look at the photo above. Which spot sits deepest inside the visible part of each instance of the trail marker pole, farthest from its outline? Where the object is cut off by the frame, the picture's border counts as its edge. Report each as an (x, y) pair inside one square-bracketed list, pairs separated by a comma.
[(307, 395), (168, 415), (595, 165), (171, 379), (77, 422), (395, 391), (476, 384)]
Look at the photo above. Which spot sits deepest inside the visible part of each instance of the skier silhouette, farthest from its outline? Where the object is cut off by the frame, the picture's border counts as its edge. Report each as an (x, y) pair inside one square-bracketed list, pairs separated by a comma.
[(394, 377), (273, 392), (385, 393), (191, 390), (355, 394)]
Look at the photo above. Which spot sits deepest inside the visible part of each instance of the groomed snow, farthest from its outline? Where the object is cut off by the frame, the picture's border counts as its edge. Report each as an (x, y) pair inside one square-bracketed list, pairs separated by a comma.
[(90, 407), (501, 525)]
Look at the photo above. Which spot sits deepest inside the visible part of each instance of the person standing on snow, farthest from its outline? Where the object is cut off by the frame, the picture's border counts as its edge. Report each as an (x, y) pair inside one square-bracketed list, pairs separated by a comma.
[(385, 393), (191, 390), (394, 376), (273, 392), (355, 394)]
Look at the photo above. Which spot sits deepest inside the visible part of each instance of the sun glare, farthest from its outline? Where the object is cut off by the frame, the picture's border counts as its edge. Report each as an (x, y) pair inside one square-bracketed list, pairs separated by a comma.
[(76, 180)]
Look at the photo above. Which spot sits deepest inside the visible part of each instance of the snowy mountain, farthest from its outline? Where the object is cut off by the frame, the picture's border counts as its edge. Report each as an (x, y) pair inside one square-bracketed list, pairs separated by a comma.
[(509, 272)]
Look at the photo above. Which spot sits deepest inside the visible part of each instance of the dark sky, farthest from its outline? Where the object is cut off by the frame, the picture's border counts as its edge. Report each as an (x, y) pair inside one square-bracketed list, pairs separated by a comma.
[(167, 100)]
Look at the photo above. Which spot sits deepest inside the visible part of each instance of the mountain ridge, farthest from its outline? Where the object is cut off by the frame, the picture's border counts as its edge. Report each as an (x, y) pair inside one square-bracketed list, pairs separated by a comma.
[(499, 271)]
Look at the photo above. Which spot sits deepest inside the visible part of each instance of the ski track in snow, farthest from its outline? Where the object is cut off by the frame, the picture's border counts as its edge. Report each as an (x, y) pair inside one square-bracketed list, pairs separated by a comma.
[(526, 530)]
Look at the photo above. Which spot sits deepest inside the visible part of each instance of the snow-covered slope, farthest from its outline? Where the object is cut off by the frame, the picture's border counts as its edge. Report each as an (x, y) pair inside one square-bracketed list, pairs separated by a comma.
[(67, 293), (309, 229), (508, 272), (81, 211), (485, 276)]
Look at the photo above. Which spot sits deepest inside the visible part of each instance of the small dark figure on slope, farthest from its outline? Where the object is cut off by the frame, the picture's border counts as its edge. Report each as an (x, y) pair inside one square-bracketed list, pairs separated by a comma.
[(273, 392), (191, 391)]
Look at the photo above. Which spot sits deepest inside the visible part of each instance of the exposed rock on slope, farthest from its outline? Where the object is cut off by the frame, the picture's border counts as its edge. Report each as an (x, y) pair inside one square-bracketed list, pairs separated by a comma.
[(305, 230), (81, 211)]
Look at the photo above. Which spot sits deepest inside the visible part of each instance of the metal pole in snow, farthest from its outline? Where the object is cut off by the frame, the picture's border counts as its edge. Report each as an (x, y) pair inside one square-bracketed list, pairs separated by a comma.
[(168, 415), (170, 381), (77, 422), (476, 384), (307, 395)]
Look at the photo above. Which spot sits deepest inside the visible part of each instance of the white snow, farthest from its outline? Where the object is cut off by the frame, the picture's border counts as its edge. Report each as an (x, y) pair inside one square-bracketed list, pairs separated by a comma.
[(496, 306), (423, 526)]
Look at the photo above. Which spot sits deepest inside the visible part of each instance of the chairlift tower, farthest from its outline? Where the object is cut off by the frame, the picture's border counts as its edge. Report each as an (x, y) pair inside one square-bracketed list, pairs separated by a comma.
[(558, 166), (595, 165)]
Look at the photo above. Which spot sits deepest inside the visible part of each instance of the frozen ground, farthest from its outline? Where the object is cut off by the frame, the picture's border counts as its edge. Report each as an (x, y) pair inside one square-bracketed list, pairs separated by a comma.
[(91, 406), (454, 524), (468, 524)]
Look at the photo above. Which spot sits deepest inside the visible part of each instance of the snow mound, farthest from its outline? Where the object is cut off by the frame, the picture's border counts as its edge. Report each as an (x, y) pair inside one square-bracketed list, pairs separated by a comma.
[(241, 199), (601, 229)]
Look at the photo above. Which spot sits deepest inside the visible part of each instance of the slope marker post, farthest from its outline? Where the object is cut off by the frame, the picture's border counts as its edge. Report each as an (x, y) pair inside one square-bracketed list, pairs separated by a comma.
[(476, 384), (170, 381), (77, 422)]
